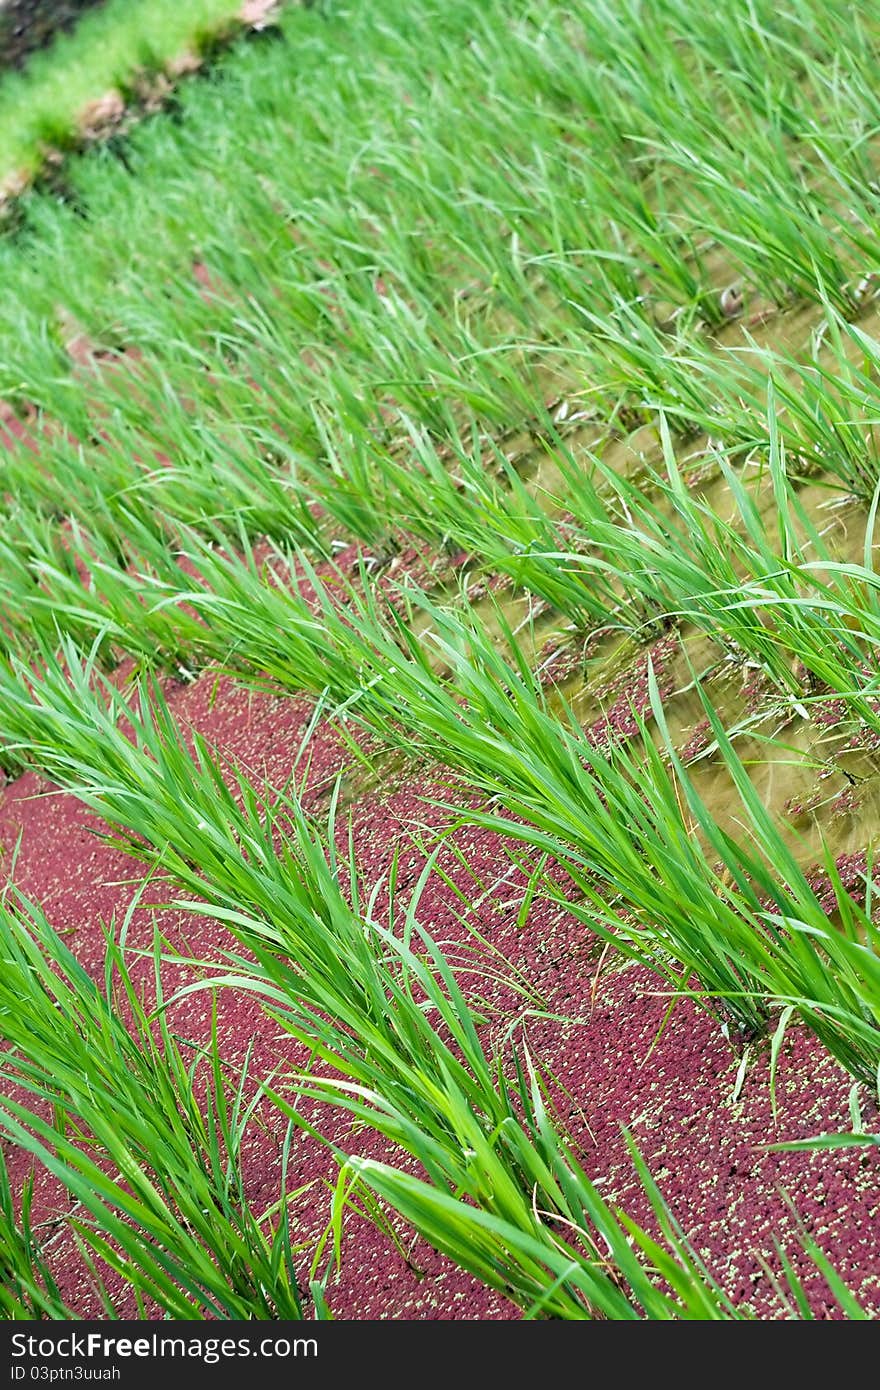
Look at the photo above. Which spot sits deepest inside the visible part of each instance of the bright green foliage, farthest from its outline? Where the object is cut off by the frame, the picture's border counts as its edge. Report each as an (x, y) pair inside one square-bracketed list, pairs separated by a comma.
[(493, 278)]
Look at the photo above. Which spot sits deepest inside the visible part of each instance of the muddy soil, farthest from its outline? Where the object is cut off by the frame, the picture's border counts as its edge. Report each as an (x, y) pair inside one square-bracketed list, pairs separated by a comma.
[(29, 25)]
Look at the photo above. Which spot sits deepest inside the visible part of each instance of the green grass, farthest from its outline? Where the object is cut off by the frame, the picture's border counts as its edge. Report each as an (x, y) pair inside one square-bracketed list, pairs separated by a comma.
[(590, 315), (144, 1133), (28, 1288), (109, 51)]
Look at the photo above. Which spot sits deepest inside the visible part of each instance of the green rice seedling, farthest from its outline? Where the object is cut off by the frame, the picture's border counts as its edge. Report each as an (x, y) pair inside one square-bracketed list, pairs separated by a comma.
[(698, 1295), (470, 497), (18, 587), (638, 368), (679, 562), (810, 621), (785, 241), (107, 479), (32, 610), (762, 55), (27, 1286), (740, 166), (823, 411), (487, 510), (839, 966), (83, 586), (349, 486), (809, 624), (145, 1138), (198, 470), (748, 582), (592, 234), (639, 206), (832, 412)]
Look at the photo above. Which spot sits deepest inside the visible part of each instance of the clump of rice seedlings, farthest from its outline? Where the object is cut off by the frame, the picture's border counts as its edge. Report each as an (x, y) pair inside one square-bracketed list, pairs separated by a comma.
[(739, 155), (837, 965), (627, 243), (469, 497), (146, 1138), (52, 583), (830, 410), (27, 1285), (177, 468), (633, 367), (114, 590), (824, 411), (786, 239), (767, 588)]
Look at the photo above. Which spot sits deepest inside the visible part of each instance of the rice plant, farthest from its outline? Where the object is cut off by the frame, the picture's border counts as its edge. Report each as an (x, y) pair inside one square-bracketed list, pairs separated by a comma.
[(28, 1289), (144, 1134)]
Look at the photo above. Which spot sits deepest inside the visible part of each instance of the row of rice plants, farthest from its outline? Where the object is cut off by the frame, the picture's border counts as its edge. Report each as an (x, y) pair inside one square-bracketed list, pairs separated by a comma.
[(501, 1192), (631, 834), (346, 276)]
